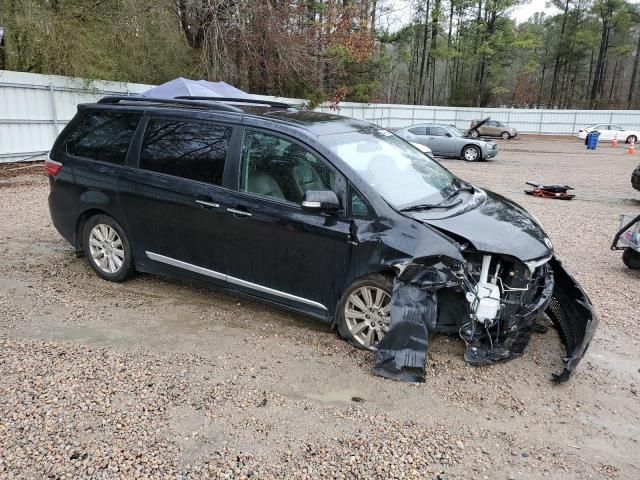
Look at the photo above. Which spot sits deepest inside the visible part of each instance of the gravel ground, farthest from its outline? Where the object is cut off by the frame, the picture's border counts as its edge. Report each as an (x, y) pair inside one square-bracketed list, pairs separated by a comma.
[(158, 378)]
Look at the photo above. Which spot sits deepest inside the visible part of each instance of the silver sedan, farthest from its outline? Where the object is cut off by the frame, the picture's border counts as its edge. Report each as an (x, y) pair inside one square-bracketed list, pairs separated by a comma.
[(448, 141)]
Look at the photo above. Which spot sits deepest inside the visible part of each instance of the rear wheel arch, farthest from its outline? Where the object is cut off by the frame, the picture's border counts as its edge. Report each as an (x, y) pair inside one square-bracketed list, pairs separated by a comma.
[(84, 217), (107, 247), (81, 222)]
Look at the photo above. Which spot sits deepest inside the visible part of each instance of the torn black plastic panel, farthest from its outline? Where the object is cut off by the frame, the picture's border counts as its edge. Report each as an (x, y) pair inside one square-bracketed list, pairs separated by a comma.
[(573, 316), (402, 352)]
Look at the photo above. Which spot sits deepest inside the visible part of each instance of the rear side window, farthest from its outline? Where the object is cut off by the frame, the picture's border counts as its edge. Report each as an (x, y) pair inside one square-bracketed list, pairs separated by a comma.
[(103, 136), (418, 130), (187, 149)]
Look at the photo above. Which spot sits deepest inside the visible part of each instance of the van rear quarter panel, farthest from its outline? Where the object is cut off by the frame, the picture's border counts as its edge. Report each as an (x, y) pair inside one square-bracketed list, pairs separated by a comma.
[(80, 186)]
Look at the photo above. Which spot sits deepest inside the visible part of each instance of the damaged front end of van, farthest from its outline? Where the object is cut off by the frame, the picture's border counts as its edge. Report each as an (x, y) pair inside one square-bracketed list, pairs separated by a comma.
[(489, 279)]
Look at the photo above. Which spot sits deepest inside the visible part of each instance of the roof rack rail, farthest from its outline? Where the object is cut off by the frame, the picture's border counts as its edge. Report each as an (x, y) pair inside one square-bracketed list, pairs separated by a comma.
[(255, 101), (171, 101)]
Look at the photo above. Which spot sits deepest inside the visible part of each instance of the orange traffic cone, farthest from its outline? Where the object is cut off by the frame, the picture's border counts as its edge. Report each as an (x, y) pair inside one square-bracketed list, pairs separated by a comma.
[(632, 147), (614, 144)]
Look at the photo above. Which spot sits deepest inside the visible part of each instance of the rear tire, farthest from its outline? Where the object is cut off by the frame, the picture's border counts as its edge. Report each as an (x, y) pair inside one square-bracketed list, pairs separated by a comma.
[(107, 248), (631, 137), (471, 153), (475, 134), (631, 259), (635, 178), (374, 316), (505, 135)]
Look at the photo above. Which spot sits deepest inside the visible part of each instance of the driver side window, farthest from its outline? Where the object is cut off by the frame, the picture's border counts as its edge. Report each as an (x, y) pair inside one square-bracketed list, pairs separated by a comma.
[(438, 131), (277, 168)]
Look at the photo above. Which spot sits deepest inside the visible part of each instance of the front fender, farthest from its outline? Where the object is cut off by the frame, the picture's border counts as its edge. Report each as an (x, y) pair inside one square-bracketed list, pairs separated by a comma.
[(574, 317)]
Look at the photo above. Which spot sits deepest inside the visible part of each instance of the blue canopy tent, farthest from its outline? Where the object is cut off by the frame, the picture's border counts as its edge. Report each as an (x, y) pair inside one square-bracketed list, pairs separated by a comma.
[(181, 87)]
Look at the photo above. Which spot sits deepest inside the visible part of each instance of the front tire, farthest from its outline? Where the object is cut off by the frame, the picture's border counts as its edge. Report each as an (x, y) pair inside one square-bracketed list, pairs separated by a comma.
[(365, 311), (630, 138), (505, 135), (475, 134), (471, 153), (631, 259), (107, 248)]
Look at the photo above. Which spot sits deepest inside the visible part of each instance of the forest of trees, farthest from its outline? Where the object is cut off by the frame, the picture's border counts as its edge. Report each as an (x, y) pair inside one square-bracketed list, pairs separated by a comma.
[(449, 52)]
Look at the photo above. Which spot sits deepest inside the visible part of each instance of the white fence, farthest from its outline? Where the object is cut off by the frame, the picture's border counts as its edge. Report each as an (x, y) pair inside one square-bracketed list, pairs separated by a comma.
[(543, 121), (35, 108)]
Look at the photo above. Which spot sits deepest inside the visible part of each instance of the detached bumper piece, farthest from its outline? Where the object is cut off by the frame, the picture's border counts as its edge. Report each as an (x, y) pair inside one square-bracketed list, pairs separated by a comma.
[(573, 316), (402, 352)]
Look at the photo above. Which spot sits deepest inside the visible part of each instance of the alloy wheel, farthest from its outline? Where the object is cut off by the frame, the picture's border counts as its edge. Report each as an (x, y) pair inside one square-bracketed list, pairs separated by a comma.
[(367, 314), (106, 248), (471, 154)]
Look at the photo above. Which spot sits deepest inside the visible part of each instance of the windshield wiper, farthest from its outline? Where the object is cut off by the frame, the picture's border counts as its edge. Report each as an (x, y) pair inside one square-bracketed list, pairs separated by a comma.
[(461, 188), (443, 203), (429, 206)]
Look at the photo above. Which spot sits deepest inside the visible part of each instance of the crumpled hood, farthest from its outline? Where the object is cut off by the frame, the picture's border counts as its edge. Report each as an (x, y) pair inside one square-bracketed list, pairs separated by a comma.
[(497, 225)]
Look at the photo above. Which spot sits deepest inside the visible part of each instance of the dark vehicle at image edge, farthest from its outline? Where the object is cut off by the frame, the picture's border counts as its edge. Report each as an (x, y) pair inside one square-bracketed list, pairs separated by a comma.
[(316, 213)]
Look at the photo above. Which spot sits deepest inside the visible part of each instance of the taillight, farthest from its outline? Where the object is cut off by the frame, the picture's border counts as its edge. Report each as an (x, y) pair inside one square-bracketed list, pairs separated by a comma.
[(52, 167)]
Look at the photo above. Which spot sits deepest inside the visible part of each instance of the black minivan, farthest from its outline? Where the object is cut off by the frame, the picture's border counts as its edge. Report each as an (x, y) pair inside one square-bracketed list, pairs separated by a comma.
[(314, 212)]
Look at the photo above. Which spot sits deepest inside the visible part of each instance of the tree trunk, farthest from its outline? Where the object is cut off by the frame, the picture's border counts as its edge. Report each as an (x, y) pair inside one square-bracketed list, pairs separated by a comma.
[(595, 87), (435, 18), (634, 73), (544, 69), (424, 61), (559, 55), (447, 87)]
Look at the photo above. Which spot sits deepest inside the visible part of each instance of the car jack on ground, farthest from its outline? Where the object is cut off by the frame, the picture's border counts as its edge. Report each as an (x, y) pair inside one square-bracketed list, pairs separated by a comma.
[(558, 192)]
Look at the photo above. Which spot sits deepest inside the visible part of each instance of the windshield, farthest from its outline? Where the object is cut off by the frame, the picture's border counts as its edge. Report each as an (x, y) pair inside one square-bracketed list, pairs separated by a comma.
[(400, 173), (456, 131)]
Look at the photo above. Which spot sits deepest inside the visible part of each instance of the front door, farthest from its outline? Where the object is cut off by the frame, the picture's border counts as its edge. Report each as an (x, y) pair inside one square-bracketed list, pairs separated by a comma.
[(605, 132), (492, 128), (440, 141), (174, 201), (615, 131), (277, 250)]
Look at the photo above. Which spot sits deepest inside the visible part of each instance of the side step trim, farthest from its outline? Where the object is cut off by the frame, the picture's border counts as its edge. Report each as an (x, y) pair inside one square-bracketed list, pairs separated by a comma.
[(227, 278)]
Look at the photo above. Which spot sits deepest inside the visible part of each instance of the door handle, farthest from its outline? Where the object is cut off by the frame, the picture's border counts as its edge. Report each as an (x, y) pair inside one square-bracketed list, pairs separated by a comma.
[(239, 213), (206, 204)]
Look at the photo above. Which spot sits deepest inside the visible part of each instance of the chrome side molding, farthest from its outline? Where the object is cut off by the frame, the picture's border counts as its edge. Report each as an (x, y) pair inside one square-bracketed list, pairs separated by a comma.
[(187, 266), (227, 278)]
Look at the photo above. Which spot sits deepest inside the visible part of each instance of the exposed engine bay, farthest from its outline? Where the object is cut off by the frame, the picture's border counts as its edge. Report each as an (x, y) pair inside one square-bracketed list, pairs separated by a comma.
[(494, 303)]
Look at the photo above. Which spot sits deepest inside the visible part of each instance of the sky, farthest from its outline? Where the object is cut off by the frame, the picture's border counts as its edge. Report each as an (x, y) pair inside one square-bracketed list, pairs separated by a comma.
[(401, 12)]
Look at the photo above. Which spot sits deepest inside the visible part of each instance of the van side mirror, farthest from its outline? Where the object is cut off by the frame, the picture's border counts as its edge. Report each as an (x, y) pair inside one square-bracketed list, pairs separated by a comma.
[(320, 201)]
